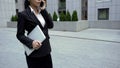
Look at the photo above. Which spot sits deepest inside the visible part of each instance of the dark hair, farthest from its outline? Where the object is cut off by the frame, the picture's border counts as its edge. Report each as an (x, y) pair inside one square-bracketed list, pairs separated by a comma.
[(26, 4)]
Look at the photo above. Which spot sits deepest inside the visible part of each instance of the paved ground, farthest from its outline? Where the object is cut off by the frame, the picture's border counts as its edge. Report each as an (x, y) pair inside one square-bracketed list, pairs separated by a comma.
[(91, 48)]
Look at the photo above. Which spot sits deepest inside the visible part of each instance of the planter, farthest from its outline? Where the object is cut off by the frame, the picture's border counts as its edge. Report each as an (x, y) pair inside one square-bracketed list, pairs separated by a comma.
[(74, 26), (105, 24), (12, 24)]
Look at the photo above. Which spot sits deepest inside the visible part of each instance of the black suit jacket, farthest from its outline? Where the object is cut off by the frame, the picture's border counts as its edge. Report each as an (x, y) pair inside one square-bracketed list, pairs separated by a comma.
[(26, 22)]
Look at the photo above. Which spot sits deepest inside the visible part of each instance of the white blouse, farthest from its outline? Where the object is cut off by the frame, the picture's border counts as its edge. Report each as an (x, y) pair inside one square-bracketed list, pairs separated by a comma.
[(39, 16)]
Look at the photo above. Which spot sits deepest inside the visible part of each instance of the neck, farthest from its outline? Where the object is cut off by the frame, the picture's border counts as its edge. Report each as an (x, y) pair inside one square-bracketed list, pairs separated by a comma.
[(35, 9)]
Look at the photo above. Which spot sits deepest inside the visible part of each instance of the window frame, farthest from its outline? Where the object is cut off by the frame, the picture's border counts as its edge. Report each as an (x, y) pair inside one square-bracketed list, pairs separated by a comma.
[(106, 10)]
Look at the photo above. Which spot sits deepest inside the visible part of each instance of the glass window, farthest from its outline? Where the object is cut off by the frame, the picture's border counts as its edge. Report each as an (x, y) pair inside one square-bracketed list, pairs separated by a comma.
[(84, 15), (16, 1), (103, 14), (62, 6)]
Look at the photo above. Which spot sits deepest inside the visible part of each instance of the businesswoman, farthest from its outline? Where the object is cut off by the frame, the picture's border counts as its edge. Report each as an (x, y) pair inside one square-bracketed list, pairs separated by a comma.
[(33, 15)]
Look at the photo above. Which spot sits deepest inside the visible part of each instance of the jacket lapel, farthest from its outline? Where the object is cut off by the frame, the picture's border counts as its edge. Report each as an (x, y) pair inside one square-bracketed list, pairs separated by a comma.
[(33, 17)]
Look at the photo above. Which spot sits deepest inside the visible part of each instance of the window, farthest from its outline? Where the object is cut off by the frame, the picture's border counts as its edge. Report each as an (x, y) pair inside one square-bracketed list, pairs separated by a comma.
[(103, 14), (62, 6), (84, 15), (16, 1)]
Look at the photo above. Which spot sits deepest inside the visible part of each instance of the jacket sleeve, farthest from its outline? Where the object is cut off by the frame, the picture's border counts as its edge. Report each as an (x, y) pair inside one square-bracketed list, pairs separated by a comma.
[(48, 20), (21, 31)]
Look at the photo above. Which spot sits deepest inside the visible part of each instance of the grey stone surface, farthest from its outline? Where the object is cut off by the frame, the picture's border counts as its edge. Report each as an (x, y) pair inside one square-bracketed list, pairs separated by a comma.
[(11, 24), (11, 51), (7, 9), (83, 49), (74, 26), (105, 24)]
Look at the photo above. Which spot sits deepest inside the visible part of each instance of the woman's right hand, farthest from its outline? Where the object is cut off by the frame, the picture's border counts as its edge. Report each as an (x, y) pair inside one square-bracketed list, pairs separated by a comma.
[(36, 44)]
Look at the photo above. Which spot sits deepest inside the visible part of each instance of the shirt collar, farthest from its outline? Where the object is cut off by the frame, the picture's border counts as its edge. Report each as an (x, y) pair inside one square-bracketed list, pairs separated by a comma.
[(32, 10)]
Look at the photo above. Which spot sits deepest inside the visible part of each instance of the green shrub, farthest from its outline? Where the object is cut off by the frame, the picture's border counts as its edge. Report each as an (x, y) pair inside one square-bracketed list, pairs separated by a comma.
[(55, 16), (62, 16), (14, 18), (74, 16), (68, 16)]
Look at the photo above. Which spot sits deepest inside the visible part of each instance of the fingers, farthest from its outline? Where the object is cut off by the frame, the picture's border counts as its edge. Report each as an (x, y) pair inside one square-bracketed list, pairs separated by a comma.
[(44, 6), (36, 44), (43, 0)]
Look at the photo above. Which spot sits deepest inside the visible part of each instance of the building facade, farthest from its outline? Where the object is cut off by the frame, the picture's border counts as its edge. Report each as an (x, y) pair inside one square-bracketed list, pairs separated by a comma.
[(7, 9), (19, 5), (64, 5), (104, 13), (99, 13), (103, 10), (94, 11)]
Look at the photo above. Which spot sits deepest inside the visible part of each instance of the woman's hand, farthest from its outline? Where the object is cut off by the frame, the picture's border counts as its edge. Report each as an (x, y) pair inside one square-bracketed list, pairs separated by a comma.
[(44, 6), (36, 44)]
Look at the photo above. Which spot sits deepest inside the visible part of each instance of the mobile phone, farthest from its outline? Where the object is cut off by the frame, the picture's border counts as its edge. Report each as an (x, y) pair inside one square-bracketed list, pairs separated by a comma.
[(41, 4)]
